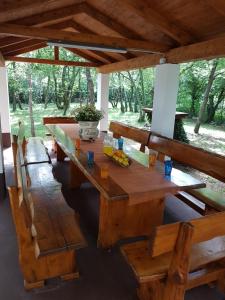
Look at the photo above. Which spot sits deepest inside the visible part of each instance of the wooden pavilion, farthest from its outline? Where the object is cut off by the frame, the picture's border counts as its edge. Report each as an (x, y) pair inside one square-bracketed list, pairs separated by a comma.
[(112, 36), (115, 36)]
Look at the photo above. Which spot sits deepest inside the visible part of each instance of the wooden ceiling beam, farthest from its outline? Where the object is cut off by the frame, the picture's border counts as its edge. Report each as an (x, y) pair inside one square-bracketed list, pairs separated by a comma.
[(2, 60), (217, 5), (51, 34), (109, 22), (27, 49), (50, 61), (20, 46), (84, 55), (141, 8), (203, 50), (8, 41), (82, 29), (36, 9)]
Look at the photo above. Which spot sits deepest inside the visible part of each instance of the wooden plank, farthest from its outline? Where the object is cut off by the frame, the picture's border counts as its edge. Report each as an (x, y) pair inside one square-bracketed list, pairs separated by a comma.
[(106, 20), (20, 46), (56, 53), (2, 60), (84, 55), (169, 27), (210, 163), (36, 151), (50, 34), (213, 199), (206, 228), (217, 5), (136, 134), (144, 61), (27, 49), (179, 265), (202, 50), (51, 62)]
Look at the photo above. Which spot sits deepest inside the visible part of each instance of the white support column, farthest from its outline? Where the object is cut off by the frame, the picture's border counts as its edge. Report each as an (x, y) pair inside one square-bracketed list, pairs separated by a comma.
[(103, 99), (4, 106), (165, 98)]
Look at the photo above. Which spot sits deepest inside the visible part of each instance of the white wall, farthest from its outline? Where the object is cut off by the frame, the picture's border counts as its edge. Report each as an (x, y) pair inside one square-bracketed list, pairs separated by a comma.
[(1, 151), (4, 101), (165, 98), (103, 98)]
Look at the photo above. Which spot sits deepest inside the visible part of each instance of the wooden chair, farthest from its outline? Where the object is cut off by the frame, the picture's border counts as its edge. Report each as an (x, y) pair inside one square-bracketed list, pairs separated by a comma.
[(179, 257), (204, 161), (136, 134)]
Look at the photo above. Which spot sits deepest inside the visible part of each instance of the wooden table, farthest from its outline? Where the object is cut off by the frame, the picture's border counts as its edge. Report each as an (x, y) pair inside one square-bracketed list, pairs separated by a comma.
[(131, 199)]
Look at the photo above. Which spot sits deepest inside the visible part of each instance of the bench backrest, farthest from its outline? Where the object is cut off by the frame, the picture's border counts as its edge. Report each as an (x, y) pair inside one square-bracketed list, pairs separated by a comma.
[(210, 163), (58, 120), (205, 228), (136, 134)]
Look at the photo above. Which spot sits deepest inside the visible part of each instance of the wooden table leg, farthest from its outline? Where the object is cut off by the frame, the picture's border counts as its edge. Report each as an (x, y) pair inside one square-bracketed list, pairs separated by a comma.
[(60, 155), (119, 220), (76, 176)]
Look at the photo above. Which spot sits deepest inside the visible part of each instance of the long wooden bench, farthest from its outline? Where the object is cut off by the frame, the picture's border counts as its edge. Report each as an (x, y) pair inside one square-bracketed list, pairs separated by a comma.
[(204, 161), (179, 257), (47, 228)]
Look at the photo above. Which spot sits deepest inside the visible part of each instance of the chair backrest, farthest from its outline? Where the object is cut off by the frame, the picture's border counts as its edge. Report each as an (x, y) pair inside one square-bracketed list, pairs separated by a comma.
[(133, 133), (58, 120), (204, 161), (205, 228)]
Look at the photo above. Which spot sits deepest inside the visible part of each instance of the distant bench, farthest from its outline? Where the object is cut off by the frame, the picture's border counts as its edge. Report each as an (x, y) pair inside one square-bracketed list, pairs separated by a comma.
[(47, 228), (202, 200)]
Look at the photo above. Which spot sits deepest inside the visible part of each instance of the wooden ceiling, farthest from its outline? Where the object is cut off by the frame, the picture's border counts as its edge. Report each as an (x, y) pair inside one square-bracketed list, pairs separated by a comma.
[(178, 30)]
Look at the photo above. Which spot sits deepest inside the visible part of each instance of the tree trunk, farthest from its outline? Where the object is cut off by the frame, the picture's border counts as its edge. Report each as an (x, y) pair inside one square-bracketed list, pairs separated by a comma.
[(90, 86), (120, 94), (46, 96), (206, 97), (32, 128), (142, 99)]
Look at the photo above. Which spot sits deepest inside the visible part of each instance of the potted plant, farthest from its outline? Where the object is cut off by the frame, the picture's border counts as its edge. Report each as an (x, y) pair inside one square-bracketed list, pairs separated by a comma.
[(88, 118)]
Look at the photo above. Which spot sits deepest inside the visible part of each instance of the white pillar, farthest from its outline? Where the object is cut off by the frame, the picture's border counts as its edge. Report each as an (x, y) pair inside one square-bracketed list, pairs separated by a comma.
[(165, 98), (4, 105), (103, 98), (1, 151)]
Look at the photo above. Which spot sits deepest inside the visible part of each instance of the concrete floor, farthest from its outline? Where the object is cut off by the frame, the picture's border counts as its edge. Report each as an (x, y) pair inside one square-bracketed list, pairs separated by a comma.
[(104, 275)]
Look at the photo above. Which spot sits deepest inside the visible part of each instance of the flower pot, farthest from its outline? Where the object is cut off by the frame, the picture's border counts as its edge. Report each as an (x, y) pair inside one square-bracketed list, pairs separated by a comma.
[(88, 130)]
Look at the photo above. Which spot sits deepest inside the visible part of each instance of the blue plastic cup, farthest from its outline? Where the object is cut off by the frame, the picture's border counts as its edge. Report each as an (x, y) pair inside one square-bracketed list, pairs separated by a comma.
[(90, 158), (168, 164), (120, 144)]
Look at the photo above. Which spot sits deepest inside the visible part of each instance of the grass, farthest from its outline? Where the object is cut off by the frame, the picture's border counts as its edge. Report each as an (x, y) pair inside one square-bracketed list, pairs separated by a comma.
[(210, 137)]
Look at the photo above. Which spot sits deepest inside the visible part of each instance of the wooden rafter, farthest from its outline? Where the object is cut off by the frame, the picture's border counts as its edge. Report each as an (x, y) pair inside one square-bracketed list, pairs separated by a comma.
[(109, 22), (51, 34), (82, 29), (2, 60), (84, 55), (25, 44), (203, 50), (141, 8), (217, 5), (27, 49), (50, 61)]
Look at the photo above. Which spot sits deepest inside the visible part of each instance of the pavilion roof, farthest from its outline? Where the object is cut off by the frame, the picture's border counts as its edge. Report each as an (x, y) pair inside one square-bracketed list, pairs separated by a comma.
[(177, 30)]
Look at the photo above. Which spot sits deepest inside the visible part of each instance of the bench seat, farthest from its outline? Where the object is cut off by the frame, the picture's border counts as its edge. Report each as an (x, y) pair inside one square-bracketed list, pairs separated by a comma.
[(147, 268), (212, 199), (36, 152), (55, 225)]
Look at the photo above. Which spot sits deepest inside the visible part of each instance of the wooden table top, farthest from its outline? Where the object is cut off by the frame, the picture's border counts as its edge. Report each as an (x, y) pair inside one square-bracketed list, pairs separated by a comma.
[(179, 114), (137, 183)]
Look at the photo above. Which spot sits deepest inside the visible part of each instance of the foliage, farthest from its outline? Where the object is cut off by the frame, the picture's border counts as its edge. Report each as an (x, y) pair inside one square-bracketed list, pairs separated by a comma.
[(87, 113)]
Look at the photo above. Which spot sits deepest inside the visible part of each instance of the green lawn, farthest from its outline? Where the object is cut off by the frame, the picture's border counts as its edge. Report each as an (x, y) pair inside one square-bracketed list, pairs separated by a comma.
[(210, 137)]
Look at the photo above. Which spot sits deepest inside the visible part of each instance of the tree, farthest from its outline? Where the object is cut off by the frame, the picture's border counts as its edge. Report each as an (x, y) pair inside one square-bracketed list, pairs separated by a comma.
[(206, 96)]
